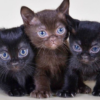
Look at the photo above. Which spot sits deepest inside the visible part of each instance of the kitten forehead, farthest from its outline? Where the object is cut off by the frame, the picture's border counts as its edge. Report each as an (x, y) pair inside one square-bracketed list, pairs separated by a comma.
[(59, 24), (49, 18), (94, 43), (22, 44), (79, 42), (41, 27), (44, 27)]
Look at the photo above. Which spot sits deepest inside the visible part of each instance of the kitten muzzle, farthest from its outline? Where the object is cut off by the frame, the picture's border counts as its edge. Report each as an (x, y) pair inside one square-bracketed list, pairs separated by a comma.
[(15, 64), (85, 59)]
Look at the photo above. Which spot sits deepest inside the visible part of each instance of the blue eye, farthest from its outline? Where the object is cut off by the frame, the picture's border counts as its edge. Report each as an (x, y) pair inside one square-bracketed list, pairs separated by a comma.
[(42, 34), (5, 56), (23, 53), (77, 48), (61, 31), (94, 49)]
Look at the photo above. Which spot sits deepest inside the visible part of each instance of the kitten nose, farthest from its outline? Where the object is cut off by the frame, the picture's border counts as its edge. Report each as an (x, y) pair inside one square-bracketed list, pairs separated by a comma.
[(85, 57), (53, 38), (15, 64)]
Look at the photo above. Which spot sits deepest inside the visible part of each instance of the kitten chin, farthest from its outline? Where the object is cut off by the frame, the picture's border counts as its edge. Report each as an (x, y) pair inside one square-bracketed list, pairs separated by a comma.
[(15, 69), (16, 62)]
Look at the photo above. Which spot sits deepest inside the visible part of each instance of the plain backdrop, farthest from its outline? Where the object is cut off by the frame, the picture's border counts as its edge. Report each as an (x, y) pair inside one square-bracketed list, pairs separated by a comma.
[(79, 9)]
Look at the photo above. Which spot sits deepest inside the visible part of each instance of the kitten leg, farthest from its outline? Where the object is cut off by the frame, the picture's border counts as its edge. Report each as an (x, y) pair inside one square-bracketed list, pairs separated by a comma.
[(96, 90), (82, 88), (70, 85), (42, 84)]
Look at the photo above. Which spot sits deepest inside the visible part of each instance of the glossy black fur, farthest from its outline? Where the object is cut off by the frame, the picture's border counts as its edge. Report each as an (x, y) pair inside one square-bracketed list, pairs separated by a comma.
[(18, 82), (86, 32)]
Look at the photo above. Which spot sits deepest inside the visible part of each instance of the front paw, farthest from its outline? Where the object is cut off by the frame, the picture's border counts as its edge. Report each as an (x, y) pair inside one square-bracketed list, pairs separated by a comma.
[(40, 94), (84, 89), (66, 93), (16, 92), (96, 91)]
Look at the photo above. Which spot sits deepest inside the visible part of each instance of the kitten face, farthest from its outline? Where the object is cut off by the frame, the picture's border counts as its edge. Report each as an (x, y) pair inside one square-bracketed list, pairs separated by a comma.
[(46, 31), (85, 43), (86, 54), (15, 53)]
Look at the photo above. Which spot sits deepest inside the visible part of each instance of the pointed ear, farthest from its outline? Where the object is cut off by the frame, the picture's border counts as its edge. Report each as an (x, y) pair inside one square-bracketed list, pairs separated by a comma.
[(64, 7), (72, 24), (27, 15)]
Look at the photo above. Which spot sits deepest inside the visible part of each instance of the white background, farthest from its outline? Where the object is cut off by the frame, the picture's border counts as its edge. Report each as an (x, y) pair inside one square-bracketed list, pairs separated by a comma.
[(80, 9)]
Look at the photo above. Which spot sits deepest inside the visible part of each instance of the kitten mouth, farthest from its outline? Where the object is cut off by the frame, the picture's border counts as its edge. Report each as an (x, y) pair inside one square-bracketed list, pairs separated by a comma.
[(87, 61), (53, 46), (15, 68)]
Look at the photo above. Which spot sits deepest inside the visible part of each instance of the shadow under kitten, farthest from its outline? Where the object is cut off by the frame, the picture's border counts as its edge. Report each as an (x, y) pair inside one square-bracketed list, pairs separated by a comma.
[(84, 63), (16, 62), (47, 31)]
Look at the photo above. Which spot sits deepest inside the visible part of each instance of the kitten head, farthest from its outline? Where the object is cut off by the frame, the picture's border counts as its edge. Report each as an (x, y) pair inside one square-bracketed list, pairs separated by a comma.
[(84, 40), (46, 29), (15, 50)]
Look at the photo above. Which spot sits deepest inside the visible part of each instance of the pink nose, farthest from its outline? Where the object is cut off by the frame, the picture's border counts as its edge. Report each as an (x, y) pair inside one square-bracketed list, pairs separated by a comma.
[(52, 39)]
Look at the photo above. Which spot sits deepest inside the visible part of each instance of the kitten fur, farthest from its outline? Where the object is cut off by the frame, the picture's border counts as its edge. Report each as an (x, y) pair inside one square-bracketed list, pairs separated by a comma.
[(16, 80), (83, 65), (51, 60)]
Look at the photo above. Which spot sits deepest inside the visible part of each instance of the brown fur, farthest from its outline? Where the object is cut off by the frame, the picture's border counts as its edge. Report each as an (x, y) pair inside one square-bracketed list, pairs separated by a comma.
[(51, 60)]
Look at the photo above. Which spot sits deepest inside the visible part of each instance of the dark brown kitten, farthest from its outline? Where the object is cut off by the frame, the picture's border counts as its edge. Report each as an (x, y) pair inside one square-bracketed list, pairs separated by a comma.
[(47, 31)]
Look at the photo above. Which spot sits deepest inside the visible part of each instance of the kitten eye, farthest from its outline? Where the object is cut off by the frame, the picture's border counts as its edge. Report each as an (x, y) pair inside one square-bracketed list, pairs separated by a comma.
[(5, 56), (23, 53), (77, 48), (42, 34), (95, 49), (61, 30)]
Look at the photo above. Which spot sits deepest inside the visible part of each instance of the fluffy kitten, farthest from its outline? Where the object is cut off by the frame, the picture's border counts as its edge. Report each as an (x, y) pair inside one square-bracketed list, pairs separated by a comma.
[(16, 62), (47, 31), (85, 60)]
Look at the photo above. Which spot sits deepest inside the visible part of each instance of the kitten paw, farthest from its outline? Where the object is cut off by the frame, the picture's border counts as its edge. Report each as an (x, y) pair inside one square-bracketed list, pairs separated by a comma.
[(16, 92), (40, 94), (96, 92), (84, 89), (66, 93)]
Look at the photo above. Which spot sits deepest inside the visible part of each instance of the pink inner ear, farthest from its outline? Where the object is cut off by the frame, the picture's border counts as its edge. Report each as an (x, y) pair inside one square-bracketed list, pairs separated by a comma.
[(34, 21), (26, 18)]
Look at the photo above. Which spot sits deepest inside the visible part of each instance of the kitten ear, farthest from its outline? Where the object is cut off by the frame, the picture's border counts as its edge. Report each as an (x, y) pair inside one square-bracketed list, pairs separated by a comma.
[(27, 15), (72, 24), (64, 7)]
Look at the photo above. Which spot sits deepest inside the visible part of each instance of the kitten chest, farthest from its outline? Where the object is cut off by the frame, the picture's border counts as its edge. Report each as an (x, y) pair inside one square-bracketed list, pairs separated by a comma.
[(52, 62)]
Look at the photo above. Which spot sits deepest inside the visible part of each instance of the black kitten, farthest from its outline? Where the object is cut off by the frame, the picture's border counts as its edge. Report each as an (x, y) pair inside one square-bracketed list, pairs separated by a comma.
[(84, 63), (16, 62)]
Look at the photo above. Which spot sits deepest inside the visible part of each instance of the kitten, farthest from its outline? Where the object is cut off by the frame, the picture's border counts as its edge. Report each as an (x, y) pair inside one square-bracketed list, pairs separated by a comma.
[(84, 63), (16, 62), (47, 31)]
